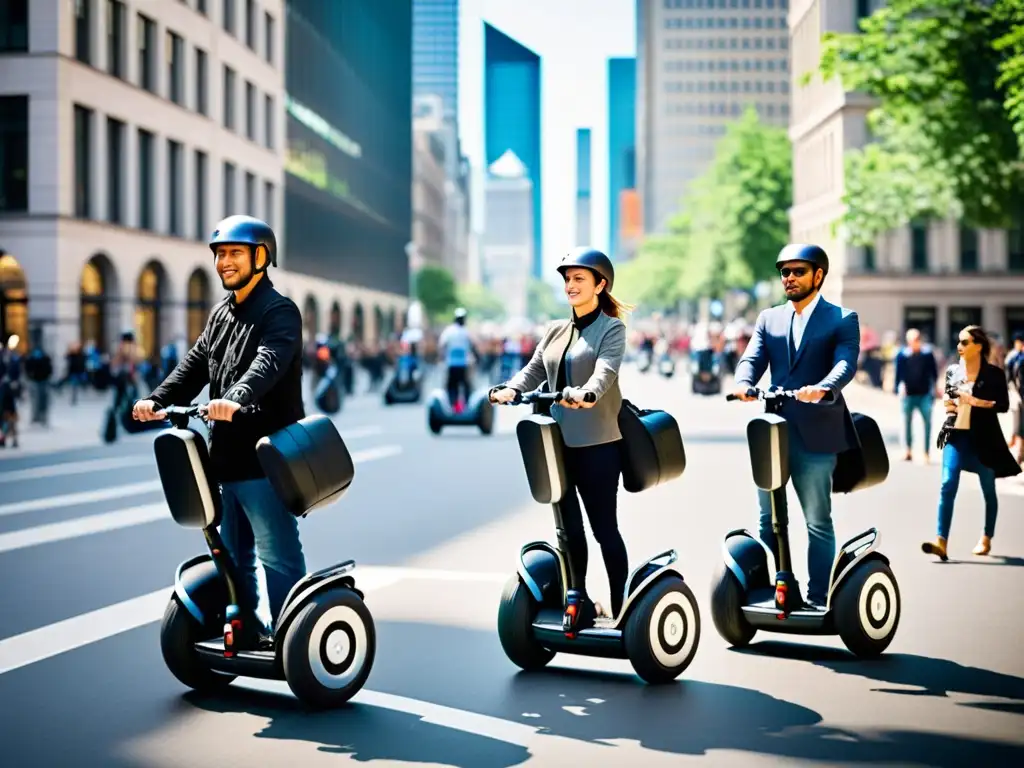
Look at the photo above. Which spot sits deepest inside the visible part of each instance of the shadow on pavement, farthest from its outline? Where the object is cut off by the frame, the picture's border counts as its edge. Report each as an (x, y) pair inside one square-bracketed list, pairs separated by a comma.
[(990, 560), (930, 677), (365, 733)]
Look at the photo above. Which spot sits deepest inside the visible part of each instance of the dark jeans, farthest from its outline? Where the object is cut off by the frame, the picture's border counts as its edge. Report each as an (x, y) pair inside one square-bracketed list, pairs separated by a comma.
[(255, 520), (594, 472), (958, 456), (458, 381)]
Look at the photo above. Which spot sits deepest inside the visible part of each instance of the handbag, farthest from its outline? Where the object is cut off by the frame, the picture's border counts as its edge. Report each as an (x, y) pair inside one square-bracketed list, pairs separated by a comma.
[(652, 448)]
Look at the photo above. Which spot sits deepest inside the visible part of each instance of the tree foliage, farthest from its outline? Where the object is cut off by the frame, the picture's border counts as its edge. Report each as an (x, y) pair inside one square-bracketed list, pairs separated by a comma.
[(543, 301), (435, 288), (735, 219), (948, 76), (481, 303)]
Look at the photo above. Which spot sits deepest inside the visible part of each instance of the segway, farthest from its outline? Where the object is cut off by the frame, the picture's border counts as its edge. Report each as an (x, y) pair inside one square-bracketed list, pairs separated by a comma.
[(406, 385), (477, 412), (666, 366), (705, 373), (863, 605), (324, 639), (658, 626)]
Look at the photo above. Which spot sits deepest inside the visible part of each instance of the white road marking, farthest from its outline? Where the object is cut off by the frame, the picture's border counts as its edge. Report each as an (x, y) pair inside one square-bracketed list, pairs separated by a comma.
[(76, 468), (87, 628), (82, 497), (124, 518)]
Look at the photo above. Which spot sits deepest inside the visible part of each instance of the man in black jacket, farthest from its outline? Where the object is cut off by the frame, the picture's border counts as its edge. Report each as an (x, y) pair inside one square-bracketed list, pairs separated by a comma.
[(250, 354)]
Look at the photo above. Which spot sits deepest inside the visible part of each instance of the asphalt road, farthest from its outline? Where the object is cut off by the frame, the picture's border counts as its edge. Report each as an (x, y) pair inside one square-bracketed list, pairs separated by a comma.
[(87, 553)]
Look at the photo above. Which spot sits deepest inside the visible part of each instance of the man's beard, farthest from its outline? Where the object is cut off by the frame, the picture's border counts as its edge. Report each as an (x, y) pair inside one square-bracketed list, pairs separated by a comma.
[(801, 295), (237, 282)]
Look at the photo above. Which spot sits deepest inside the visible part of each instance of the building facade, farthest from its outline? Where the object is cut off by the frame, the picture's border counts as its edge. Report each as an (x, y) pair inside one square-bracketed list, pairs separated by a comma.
[(429, 200), (131, 127), (700, 63), (507, 249), (584, 235), (624, 220), (937, 276), (512, 119), (348, 183)]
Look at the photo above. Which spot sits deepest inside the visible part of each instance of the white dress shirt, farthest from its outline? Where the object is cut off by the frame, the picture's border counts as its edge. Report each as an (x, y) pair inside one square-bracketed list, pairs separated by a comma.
[(800, 321)]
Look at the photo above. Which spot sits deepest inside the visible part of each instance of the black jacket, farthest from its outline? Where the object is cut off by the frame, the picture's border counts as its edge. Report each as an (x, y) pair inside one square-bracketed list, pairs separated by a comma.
[(250, 353), (986, 434)]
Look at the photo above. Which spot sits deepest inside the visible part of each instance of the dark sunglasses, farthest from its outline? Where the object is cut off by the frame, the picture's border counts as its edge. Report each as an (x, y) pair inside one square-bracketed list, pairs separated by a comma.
[(964, 342), (794, 271)]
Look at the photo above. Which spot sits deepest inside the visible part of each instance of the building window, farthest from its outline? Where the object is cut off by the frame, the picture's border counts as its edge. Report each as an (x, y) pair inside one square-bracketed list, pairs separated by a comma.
[(199, 196), (229, 189), (147, 49), (174, 151), (250, 194), (201, 6), (175, 67), (1015, 243), (201, 77), (228, 16), (919, 247), (268, 202), (83, 31), (250, 24), (83, 162), (229, 98), (268, 37), (14, 26), (869, 264), (146, 162), (250, 111), (115, 38), (968, 249), (115, 165), (268, 121)]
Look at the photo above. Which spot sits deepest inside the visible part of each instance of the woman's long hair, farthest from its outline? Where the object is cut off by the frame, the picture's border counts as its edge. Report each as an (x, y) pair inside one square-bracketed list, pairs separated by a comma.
[(981, 337), (610, 305)]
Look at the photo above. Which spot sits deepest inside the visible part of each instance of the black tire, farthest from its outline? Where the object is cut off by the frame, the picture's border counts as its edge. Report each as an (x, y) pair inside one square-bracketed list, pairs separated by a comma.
[(516, 613), (486, 419), (727, 600), (179, 633), (388, 399), (338, 623), (867, 609), (434, 423), (663, 631)]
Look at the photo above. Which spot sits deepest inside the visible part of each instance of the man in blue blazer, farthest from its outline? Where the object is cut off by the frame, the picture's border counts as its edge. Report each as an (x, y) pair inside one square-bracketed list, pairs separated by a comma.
[(811, 346)]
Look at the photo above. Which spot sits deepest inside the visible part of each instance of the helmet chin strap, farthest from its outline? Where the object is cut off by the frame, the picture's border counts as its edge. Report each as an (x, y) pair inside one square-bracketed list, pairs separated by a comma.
[(256, 270)]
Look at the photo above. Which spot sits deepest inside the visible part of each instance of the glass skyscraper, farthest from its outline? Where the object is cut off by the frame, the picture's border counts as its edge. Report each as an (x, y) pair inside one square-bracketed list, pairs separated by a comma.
[(621, 141), (435, 52), (512, 114)]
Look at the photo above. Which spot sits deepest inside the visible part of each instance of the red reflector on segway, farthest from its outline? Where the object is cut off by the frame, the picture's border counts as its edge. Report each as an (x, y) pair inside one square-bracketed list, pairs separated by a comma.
[(571, 610)]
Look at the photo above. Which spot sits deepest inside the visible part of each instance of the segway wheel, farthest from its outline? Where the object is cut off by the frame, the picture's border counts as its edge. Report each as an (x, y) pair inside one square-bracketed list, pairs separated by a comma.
[(434, 423), (727, 599), (867, 609), (485, 421), (329, 648), (663, 631), (388, 399), (516, 613), (179, 634)]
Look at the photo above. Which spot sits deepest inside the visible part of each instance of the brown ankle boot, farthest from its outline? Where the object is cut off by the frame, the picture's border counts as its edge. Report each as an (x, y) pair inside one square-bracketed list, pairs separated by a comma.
[(984, 546), (937, 548)]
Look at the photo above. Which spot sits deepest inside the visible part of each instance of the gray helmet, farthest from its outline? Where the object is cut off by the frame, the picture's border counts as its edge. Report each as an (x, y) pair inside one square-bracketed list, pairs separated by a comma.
[(246, 230), (591, 259), (812, 254), (460, 313)]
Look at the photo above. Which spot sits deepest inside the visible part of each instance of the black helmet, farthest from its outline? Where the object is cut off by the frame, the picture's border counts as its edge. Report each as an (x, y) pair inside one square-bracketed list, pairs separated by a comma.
[(812, 254), (592, 259), (246, 230)]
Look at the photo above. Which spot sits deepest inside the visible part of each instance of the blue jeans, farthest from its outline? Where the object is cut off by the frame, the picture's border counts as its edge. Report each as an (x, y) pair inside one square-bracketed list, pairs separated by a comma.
[(811, 474), (254, 520), (921, 404), (958, 456)]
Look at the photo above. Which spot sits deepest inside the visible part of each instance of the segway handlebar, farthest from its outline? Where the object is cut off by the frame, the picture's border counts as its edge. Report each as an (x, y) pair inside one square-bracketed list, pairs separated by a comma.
[(767, 395), (541, 396), (179, 415)]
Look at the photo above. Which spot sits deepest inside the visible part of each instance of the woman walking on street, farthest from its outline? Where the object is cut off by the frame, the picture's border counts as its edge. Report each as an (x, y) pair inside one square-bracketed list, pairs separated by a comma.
[(971, 438)]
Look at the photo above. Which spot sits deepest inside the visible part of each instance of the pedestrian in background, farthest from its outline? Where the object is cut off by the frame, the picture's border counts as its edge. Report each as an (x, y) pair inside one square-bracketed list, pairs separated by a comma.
[(917, 372), (971, 437)]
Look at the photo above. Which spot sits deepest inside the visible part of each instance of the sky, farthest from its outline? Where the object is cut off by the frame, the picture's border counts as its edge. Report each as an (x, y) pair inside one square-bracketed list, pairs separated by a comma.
[(574, 39)]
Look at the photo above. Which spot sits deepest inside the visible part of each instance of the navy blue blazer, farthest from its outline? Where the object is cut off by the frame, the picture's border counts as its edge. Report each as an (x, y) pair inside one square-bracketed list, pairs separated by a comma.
[(827, 357)]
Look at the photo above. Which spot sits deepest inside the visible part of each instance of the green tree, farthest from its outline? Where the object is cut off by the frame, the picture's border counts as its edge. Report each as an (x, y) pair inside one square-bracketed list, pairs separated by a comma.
[(542, 302), (735, 219), (481, 303), (435, 288), (948, 76)]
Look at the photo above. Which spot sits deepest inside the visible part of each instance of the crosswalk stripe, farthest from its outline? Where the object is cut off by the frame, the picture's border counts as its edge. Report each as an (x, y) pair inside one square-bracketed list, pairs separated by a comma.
[(87, 628), (124, 518), (81, 497)]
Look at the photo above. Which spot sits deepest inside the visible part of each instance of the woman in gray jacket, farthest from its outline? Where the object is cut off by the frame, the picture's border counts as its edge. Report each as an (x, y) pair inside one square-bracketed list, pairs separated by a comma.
[(584, 353)]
